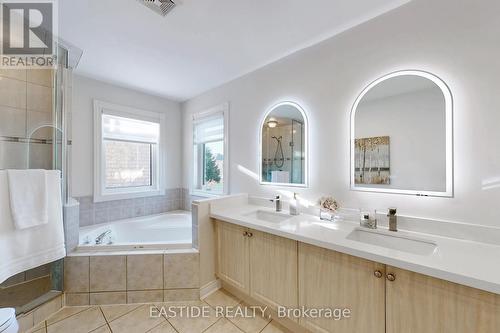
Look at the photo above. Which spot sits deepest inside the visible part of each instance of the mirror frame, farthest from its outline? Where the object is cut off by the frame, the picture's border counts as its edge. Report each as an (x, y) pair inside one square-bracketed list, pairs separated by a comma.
[(306, 145), (449, 136)]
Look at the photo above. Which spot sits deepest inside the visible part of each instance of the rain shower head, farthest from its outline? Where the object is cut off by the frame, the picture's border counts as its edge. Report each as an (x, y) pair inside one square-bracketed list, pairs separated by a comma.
[(162, 7)]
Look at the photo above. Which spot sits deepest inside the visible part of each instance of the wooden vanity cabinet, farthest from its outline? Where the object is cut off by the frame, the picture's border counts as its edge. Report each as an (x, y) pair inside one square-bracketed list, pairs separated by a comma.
[(418, 303), (273, 270), (233, 255), (329, 279), (382, 299), (259, 264)]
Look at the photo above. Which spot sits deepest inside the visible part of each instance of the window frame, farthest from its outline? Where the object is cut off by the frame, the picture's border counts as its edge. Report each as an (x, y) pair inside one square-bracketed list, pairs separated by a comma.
[(101, 193), (198, 162)]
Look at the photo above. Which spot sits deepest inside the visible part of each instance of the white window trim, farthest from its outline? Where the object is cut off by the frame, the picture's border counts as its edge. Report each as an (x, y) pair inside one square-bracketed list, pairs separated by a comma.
[(100, 192), (219, 109)]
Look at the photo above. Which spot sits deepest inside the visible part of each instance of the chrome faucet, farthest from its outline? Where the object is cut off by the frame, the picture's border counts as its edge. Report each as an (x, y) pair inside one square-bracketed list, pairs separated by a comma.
[(393, 219), (277, 202), (100, 238)]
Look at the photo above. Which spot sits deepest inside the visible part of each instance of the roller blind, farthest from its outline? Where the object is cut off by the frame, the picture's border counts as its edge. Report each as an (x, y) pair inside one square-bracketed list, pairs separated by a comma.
[(129, 129), (208, 129)]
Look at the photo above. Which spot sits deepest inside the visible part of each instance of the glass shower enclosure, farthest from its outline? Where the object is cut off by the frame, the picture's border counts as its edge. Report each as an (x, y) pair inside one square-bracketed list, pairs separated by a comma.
[(35, 133)]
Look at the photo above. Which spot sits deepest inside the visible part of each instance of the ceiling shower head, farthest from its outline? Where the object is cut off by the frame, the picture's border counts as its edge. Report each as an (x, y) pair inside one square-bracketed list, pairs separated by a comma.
[(162, 7)]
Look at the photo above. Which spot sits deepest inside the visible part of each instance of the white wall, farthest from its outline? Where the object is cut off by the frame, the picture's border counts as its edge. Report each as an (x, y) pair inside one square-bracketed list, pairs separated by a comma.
[(455, 39), (85, 90), (415, 123)]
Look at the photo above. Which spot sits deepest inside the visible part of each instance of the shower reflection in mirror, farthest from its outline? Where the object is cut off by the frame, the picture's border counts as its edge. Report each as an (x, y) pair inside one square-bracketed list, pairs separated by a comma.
[(284, 146)]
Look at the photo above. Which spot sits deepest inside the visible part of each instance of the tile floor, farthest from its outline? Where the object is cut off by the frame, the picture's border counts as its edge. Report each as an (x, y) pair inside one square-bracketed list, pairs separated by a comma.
[(135, 318)]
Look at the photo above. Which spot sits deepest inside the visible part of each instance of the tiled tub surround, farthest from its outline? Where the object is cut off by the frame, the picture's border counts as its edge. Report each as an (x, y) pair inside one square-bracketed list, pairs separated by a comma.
[(102, 212), (135, 278)]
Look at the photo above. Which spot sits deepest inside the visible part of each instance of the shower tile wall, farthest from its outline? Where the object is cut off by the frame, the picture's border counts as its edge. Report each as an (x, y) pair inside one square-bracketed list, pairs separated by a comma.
[(102, 212), (26, 106)]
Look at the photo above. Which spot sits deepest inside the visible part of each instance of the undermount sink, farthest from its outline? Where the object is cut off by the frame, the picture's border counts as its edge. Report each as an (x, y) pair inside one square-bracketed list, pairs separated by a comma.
[(268, 216), (393, 240)]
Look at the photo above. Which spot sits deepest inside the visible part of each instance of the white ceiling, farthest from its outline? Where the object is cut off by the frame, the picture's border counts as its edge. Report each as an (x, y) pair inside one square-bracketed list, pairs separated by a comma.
[(201, 44)]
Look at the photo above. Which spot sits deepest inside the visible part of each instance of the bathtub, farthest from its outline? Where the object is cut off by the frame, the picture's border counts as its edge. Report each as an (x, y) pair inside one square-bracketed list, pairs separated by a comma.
[(154, 232)]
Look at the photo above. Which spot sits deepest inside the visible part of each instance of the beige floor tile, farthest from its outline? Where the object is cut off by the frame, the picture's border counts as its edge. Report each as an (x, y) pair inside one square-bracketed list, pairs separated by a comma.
[(111, 312), (163, 328), (65, 313), (251, 321), (222, 298), (274, 327), (102, 329), (47, 309), (223, 326), (82, 322), (39, 328), (25, 321), (138, 320), (187, 320)]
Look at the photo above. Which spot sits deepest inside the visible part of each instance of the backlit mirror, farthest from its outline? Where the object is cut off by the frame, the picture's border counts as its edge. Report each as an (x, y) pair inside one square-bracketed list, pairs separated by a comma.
[(401, 136), (283, 148)]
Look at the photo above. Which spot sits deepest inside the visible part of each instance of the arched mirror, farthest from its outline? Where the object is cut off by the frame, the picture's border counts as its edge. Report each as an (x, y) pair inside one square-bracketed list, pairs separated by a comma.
[(283, 146), (401, 136)]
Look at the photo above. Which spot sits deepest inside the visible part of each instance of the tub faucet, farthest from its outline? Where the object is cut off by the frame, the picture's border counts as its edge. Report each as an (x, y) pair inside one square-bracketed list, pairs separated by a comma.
[(277, 202), (393, 219), (98, 239)]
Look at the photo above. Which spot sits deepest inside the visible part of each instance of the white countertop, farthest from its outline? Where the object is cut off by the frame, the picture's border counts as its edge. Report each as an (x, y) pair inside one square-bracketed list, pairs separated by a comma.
[(465, 262)]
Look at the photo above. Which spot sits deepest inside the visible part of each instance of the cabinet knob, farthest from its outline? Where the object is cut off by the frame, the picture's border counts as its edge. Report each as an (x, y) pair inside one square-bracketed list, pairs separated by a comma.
[(245, 233), (250, 234), (378, 274), (391, 277)]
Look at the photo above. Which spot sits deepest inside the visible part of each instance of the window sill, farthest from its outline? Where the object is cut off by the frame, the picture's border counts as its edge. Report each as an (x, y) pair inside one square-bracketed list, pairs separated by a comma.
[(130, 195), (205, 194)]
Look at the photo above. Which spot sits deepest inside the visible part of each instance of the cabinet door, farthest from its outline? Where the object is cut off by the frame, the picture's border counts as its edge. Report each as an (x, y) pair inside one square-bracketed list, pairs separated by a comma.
[(232, 255), (273, 270), (421, 304), (329, 279)]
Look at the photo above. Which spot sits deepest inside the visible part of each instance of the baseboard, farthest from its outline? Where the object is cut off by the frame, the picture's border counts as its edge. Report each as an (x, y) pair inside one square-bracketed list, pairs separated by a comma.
[(210, 288)]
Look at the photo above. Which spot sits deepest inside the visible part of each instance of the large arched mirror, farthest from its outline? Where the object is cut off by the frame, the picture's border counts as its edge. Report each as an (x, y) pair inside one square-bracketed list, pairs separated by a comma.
[(283, 146), (401, 136)]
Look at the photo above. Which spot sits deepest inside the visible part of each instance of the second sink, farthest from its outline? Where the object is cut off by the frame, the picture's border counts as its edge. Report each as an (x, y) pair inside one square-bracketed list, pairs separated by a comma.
[(393, 240)]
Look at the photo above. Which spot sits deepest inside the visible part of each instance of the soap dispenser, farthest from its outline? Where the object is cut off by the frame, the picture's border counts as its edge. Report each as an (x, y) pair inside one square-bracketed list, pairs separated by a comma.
[(294, 205)]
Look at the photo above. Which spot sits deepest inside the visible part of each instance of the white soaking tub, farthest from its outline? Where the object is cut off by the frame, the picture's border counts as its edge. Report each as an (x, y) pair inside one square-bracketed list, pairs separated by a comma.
[(165, 231)]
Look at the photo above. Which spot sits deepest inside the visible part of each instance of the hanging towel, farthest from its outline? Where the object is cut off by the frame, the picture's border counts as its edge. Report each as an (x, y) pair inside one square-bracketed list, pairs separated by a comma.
[(28, 197), (23, 249)]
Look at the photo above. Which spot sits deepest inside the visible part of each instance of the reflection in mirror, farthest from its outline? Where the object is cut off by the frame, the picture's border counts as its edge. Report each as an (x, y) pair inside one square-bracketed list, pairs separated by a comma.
[(401, 136), (283, 146)]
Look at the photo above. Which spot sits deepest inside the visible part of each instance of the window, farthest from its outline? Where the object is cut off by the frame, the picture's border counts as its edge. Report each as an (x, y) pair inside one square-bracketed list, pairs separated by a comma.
[(210, 152), (127, 152)]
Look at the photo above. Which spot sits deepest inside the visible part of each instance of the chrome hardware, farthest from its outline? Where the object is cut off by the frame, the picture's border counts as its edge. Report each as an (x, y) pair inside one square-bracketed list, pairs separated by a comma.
[(277, 201), (378, 274), (367, 221), (391, 277), (393, 219), (100, 238)]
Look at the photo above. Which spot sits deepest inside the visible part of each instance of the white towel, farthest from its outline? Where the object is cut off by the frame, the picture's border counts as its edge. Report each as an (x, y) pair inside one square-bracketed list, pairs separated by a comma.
[(28, 197), (23, 249)]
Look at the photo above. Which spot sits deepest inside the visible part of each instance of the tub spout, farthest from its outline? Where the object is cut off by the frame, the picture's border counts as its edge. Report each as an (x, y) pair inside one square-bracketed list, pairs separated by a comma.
[(100, 238)]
